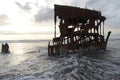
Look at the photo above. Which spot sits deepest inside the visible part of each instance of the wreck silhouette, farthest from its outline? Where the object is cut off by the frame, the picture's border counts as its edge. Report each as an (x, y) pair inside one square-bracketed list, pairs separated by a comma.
[(79, 29)]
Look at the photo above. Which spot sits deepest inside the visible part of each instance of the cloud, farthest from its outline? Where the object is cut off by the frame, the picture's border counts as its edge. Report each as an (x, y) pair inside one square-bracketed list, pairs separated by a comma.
[(109, 8), (26, 7), (3, 19), (78, 3), (45, 14), (42, 11)]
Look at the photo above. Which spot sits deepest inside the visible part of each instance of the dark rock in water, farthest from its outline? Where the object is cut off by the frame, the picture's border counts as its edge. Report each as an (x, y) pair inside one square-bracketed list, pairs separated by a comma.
[(5, 48)]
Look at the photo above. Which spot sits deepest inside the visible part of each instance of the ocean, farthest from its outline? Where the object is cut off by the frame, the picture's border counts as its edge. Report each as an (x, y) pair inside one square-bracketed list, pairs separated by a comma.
[(28, 60)]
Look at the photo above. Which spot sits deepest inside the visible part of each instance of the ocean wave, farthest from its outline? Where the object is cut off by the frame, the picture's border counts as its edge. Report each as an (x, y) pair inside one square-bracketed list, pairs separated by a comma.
[(71, 67), (76, 66)]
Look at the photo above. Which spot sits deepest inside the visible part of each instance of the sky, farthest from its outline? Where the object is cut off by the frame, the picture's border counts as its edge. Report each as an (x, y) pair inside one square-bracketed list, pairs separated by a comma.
[(36, 16)]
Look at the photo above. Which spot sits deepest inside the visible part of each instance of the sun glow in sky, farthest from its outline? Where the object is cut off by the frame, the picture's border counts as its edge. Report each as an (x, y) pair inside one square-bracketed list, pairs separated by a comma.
[(17, 16), (36, 16)]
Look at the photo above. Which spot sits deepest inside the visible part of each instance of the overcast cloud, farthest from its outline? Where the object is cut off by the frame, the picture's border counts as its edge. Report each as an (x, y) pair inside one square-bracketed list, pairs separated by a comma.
[(44, 14), (25, 7), (3, 19), (43, 10), (47, 12), (109, 8)]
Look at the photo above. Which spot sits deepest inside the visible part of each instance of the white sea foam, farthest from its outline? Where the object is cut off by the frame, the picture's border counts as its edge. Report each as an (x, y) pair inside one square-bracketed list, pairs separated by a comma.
[(26, 62), (29, 78)]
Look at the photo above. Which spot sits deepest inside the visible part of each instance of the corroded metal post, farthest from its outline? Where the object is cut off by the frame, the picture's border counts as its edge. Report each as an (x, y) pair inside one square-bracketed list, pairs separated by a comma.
[(103, 28), (55, 20)]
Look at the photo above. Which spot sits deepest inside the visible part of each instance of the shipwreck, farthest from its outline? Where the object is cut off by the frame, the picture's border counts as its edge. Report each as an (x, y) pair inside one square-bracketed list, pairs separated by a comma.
[(79, 29)]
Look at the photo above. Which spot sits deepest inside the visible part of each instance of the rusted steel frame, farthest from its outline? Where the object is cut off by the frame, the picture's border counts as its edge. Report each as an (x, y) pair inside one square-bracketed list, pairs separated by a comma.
[(72, 39)]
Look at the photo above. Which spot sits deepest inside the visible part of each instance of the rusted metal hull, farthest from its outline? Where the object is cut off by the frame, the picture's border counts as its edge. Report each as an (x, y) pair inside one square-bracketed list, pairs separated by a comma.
[(79, 29), (66, 46)]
